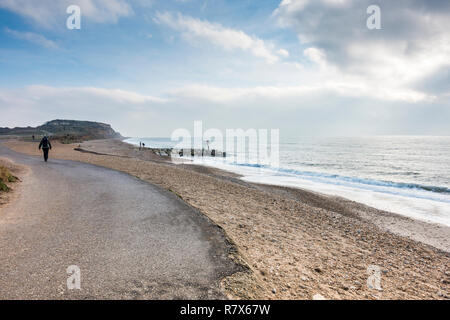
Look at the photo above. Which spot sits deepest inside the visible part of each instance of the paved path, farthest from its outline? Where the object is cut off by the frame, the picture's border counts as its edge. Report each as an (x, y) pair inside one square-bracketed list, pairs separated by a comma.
[(129, 238)]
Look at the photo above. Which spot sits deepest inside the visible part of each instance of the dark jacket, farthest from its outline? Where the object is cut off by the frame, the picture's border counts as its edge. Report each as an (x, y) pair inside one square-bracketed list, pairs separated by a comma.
[(45, 143)]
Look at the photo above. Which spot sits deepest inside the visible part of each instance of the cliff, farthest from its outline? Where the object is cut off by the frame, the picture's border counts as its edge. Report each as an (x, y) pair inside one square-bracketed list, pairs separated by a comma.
[(66, 130)]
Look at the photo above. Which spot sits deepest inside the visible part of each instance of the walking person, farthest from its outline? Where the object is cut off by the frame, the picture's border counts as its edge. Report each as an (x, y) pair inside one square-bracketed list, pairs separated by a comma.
[(46, 146)]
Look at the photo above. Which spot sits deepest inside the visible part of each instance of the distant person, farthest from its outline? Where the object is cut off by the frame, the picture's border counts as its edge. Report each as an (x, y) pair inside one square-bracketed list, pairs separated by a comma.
[(143, 145), (46, 146), (33, 137)]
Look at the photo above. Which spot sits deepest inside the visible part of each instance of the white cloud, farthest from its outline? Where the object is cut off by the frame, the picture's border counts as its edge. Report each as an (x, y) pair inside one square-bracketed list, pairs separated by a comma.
[(32, 37), (225, 38), (224, 95), (348, 87), (116, 95), (74, 99), (283, 53), (34, 105), (414, 44), (316, 55), (328, 108), (48, 13)]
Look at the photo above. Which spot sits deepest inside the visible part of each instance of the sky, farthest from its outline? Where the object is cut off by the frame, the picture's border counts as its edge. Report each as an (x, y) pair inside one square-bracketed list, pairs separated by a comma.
[(305, 67)]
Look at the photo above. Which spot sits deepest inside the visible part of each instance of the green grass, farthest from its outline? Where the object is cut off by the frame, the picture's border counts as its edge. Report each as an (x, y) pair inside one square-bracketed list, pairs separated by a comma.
[(5, 176), (3, 186)]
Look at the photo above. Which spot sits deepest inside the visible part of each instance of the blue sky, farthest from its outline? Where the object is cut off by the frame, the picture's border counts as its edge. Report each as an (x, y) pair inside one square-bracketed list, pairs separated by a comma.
[(305, 67), (133, 49)]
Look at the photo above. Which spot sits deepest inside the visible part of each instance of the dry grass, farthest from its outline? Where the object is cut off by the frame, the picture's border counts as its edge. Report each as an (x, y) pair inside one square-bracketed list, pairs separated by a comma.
[(9, 172), (5, 178)]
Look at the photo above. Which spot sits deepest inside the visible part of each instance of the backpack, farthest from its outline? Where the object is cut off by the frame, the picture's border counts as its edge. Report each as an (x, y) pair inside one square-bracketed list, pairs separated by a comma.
[(45, 144)]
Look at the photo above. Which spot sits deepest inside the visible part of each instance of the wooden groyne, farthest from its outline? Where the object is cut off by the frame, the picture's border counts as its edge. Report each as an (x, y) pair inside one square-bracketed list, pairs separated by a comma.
[(168, 152)]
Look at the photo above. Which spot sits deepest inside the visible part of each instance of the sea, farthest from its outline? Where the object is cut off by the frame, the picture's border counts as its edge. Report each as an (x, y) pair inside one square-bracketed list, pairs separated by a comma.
[(407, 175)]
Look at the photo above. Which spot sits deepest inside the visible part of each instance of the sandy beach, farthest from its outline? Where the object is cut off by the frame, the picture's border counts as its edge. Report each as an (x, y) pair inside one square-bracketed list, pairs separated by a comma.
[(295, 243)]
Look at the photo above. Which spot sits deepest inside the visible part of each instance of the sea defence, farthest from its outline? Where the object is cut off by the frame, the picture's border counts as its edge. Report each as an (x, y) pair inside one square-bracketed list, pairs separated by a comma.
[(168, 152)]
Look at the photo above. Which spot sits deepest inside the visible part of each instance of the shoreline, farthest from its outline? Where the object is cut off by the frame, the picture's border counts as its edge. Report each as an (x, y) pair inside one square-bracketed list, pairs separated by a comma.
[(297, 243), (425, 208), (360, 207), (427, 232), (415, 200)]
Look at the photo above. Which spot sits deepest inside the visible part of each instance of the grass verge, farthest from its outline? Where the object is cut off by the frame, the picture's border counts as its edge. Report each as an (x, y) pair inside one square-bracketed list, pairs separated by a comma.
[(5, 177)]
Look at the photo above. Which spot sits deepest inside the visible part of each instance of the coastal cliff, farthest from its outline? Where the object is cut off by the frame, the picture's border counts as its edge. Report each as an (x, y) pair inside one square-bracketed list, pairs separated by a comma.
[(66, 130)]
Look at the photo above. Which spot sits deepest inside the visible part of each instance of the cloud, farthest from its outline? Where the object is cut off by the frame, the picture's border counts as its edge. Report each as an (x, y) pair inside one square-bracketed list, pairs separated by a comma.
[(32, 37), (297, 110), (48, 13), (283, 53), (115, 95), (349, 87), (33, 105), (75, 99), (225, 38), (316, 55), (225, 95), (414, 41)]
